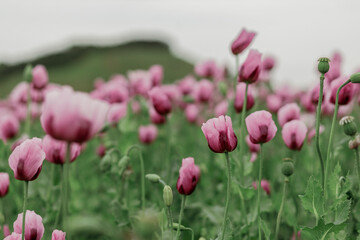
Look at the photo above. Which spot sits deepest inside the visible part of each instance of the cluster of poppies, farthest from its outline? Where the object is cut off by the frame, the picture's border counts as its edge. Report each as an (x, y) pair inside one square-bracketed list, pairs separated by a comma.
[(207, 98)]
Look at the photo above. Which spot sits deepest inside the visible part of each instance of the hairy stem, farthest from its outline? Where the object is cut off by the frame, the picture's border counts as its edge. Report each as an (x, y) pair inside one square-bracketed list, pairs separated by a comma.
[(317, 134)]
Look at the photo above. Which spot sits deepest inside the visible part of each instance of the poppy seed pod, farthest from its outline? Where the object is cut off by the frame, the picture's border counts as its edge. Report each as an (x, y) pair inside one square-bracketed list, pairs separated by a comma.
[(287, 167), (323, 65), (168, 196), (349, 125)]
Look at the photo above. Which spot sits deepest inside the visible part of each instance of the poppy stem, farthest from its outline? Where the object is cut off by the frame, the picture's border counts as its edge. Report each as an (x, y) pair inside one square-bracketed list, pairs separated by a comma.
[(142, 172), (62, 196), (332, 132), (66, 180), (183, 200), (357, 163), (26, 190), (242, 129), (228, 166), (259, 190), (317, 134), (286, 181)]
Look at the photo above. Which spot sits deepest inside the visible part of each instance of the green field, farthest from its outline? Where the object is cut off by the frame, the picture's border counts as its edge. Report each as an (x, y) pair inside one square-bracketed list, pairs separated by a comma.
[(79, 66)]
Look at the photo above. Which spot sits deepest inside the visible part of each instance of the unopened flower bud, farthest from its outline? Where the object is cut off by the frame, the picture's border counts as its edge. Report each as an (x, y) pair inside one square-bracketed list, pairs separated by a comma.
[(323, 65), (105, 163), (223, 88), (168, 196), (124, 161), (355, 78), (28, 73), (287, 167), (349, 125), (153, 177)]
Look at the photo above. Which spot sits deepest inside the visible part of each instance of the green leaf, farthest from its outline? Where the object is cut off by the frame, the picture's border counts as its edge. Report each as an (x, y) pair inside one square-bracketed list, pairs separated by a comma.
[(313, 200), (265, 229), (342, 212), (321, 231)]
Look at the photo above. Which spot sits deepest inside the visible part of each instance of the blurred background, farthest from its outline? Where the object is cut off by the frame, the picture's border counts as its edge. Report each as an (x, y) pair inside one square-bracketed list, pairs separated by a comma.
[(80, 40)]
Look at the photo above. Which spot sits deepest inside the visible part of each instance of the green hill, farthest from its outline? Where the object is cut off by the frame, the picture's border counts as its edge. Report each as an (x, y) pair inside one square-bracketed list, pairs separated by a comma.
[(80, 65)]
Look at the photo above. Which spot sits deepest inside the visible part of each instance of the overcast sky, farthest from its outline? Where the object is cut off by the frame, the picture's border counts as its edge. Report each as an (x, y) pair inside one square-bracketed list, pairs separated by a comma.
[(297, 33)]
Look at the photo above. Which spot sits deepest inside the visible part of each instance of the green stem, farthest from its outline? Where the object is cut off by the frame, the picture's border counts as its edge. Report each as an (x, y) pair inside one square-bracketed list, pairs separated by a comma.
[(259, 190), (228, 192), (183, 200), (236, 71), (26, 190), (281, 209), (28, 113), (317, 135), (171, 222), (243, 130), (66, 180), (243, 209), (332, 132), (61, 197), (142, 171), (358, 163), (192, 232)]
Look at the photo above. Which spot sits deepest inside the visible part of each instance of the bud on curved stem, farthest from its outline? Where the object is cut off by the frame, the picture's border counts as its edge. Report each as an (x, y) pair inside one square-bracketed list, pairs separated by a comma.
[(332, 131)]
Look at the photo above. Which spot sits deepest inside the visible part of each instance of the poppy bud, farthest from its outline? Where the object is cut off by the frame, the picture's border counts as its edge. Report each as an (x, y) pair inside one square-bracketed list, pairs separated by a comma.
[(355, 78), (168, 196), (153, 177), (287, 167), (323, 65), (124, 161), (349, 125), (28, 73)]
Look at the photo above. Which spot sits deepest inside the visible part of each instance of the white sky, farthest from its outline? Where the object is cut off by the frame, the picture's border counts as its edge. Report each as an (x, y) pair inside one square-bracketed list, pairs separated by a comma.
[(296, 32)]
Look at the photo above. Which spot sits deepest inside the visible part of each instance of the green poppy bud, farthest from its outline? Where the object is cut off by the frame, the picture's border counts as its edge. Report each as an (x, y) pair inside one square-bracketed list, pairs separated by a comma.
[(124, 161), (105, 163), (349, 125), (28, 73), (168, 196), (355, 78), (287, 167), (223, 88), (323, 65), (153, 177)]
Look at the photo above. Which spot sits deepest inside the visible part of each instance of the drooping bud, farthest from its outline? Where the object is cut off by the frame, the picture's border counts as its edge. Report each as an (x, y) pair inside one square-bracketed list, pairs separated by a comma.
[(153, 177), (28, 73), (349, 125), (124, 161), (287, 167), (168, 195), (323, 65), (355, 78)]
